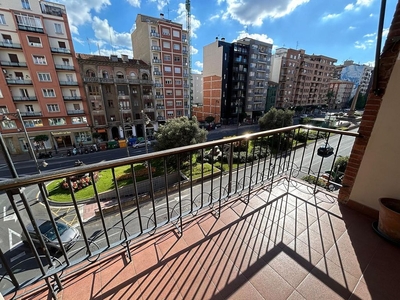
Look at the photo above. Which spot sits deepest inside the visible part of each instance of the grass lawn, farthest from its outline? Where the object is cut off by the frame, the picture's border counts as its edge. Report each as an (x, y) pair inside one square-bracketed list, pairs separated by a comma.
[(104, 183)]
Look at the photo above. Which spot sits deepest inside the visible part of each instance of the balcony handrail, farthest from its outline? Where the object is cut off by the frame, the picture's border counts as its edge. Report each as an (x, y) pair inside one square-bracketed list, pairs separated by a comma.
[(282, 167)]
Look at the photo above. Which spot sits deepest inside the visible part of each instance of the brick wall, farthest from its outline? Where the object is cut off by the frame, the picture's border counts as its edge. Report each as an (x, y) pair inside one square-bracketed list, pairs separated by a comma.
[(387, 61)]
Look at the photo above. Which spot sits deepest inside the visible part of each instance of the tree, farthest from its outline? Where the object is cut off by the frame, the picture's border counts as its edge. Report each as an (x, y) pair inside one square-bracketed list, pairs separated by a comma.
[(179, 132), (209, 119), (276, 119), (330, 95), (40, 140)]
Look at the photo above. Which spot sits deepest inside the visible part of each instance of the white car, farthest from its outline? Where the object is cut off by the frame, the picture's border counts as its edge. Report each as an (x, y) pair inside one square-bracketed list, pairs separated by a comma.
[(141, 144)]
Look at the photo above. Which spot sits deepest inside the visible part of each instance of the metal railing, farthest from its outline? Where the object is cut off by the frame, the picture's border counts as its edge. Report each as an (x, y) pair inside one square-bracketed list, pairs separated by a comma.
[(150, 192)]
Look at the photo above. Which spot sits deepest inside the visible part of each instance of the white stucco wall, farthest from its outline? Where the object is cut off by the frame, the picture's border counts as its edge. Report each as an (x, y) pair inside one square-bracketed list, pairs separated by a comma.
[(379, 173)]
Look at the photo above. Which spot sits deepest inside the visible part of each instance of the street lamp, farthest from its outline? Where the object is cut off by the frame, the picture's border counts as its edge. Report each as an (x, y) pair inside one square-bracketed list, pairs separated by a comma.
[(146, 121), (123, 129), (29, 144)]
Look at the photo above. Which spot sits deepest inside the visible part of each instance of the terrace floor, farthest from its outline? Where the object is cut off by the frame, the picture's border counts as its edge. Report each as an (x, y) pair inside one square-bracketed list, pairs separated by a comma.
[(286, 243)]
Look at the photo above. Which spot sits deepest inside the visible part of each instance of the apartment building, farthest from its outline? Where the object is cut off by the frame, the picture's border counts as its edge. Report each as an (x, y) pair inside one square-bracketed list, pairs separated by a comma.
[(242, 69), (163, 44), (40, 77), (360, 75), (339, 93), (120, 92), (303, 78)]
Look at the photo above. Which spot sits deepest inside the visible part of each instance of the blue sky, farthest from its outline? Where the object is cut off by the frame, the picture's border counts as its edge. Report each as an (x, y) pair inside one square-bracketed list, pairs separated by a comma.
[(342, 29)]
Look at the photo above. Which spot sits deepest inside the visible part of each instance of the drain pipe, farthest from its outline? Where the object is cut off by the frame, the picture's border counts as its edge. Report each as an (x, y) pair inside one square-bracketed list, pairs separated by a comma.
[(375, 88)]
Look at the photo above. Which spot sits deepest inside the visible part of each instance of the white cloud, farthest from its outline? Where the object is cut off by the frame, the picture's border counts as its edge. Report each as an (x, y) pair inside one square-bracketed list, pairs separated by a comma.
[(219, 2), (349, 6), (364, 45), (79, 11), (214, 17), (106, 33), (369, 34), (193, 50), (182, 18), (108, 52), (253, 12), (134, 3), (198, 64), (160, 3), (352, 27), (370, 63), (195, 71), (385, 32), (255, 36), (330, 17)]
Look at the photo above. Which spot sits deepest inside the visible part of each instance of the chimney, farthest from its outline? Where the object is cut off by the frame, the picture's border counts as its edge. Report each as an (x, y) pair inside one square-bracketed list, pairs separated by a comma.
[(216, 38), (162, 16), (124, 57), (222, 39)]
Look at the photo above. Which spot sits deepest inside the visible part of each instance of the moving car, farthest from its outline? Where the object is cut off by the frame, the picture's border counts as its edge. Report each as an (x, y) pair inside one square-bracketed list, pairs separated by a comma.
[(69, 235), (141, 144), (325, 151)]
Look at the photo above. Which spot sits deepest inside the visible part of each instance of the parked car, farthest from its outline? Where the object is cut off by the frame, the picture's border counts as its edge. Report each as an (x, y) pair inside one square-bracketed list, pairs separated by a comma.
[(325, 151), (69, 235), (141, 144)]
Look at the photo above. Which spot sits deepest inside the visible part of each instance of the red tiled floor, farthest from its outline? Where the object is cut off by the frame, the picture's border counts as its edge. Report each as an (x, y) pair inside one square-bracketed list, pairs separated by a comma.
[(278, 246)]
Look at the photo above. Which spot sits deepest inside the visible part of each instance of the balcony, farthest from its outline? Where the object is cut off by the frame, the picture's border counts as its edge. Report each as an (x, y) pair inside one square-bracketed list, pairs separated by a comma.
[(159, 85), (10, 44), (158, 73), (159, 96), (154, 34), (22, 98), (12, 64), (30, 28), (76, 112), (60, 50), (31, 113), (64, 67), (18, 81), (72, 98), (156, 48), (160, 107), (255, 229), (157, 61), (63, 82)]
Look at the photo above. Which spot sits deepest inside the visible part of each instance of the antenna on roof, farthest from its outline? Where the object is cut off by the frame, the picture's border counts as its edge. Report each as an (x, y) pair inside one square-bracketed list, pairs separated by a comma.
[(297, 45), (111, 42), (98, 48), (168, 8)]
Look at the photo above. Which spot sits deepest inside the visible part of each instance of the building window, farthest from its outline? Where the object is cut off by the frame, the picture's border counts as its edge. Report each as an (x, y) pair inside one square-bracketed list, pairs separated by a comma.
[(48, 93), (168, 81), (78, 120), (178, 103), (178, 93), (110, 103), (65, 61), (34, 41), (2, 19), (165, 31), (58, 28), (57, 121), (177, 70), (29, 21), (170, 103), (5, 124), (44, 76), (82, 136), (175, 33), (167, 69), (39, 60), (178, 82), (169, 92), (93, 90), (53, 108), (62, 45), (33, 123), (167, 57), (170, 113), (25, 4), (167, 45), (177, 47), (177, 58), (3, 109)]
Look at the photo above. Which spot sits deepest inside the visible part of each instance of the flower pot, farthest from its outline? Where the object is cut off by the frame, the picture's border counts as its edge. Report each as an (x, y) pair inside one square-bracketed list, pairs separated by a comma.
[(389, 218)]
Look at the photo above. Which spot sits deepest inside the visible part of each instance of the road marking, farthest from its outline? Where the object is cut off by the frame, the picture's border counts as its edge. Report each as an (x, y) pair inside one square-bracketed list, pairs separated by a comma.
[(14, 258), (11, 216), (10, 234)]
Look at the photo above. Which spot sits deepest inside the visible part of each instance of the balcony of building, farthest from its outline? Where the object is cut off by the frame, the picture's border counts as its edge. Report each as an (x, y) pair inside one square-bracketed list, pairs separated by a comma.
[(53, 9), (68, 82), (10, 44), (257, 230), (72, 98), (24, 98), (5, 63), (154, 34), (157, 73), (75, 112), (25, 27), (65, 67), (19, 81), (156, 48), (60, 50), (157, 61), (31, 114), (158, 85), (159, 96)]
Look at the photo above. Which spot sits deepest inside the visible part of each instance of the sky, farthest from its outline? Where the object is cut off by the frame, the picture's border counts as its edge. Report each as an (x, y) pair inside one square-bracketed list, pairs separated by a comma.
[(341, 29)]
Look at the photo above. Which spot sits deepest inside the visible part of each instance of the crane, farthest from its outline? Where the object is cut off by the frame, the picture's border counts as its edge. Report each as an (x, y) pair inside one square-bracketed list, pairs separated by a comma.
[(188, 19)]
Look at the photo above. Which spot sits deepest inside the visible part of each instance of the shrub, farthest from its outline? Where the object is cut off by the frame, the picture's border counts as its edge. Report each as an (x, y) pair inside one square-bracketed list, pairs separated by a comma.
[(314, 180), (79, 182)]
